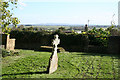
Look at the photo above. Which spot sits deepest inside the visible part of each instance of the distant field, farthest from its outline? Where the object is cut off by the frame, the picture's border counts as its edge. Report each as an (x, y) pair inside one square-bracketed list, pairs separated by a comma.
[(66, 27), (49, 26), (33, 64)]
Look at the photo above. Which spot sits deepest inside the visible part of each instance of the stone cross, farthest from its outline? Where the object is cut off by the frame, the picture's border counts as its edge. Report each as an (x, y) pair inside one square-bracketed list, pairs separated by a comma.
[(53, 62)]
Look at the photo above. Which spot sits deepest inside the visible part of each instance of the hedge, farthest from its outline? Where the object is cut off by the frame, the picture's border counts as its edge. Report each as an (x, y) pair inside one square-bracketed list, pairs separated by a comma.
[(38, 39)]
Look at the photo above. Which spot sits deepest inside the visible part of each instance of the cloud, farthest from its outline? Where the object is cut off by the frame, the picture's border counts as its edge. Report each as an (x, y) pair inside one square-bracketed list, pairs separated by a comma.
[(21, 8), (21, 4)]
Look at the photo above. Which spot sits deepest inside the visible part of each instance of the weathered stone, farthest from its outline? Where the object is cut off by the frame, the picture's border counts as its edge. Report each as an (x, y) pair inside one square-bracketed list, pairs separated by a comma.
[(53, 62), (8, 43), (50, 48), (2, 46)]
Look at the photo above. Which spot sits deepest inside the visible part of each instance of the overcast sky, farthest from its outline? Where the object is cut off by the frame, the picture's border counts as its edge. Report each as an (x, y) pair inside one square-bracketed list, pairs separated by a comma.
[(99, 12)]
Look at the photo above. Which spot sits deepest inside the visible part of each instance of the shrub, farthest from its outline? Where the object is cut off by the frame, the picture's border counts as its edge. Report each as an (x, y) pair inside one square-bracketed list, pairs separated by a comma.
[(73, 39), (114, 30), (9, 53), (32, 39), (98, 37), (5, 53), (28, 37)]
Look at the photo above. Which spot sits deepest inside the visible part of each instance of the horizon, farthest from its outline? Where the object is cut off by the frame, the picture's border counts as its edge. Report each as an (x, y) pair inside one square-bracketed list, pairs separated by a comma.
[(58, 24), (46, 12)]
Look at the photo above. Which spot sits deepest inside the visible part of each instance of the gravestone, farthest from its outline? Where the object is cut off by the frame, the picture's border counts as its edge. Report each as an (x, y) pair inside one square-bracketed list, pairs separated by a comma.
[(53, 62), (8, 43)]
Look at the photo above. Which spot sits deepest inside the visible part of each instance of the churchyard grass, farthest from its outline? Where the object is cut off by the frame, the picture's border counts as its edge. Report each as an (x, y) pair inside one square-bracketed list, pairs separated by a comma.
[(33, 64)]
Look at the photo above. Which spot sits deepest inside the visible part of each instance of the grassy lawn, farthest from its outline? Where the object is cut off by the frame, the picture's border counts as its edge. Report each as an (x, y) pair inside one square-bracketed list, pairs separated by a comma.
[(33, 64)]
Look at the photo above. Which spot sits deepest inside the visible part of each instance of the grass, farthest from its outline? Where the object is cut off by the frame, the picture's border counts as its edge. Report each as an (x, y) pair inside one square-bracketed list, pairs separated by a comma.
[(33, 64)]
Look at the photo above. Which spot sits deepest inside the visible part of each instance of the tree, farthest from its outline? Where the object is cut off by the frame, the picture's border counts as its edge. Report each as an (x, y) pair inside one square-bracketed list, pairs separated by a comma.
[(62, 28), (98, 36), (6, 16), (86, 28)]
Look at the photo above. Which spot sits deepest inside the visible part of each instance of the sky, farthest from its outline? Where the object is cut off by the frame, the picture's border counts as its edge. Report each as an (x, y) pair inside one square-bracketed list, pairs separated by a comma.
[(98, 12)]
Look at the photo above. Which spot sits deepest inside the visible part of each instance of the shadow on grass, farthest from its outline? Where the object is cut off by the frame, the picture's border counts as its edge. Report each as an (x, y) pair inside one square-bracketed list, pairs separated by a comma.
[(44, 72), (99, 54)]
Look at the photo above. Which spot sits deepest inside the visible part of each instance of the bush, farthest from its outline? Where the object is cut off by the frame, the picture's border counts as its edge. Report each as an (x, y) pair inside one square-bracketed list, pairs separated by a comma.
[(73, 39), (44, 38), (9, 53), (31, 39), (98, 37), (5, 53), (29, 36)]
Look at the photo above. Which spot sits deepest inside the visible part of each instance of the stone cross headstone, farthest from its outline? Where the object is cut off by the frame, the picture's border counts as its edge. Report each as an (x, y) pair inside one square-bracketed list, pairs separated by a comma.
[(53, 62)]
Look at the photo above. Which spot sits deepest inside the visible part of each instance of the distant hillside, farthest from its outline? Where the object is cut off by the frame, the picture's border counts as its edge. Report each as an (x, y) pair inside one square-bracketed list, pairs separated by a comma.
[(65, 25)]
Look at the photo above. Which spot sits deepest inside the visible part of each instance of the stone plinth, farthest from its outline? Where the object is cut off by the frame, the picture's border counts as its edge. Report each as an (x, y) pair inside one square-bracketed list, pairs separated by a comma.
[(9, 43)]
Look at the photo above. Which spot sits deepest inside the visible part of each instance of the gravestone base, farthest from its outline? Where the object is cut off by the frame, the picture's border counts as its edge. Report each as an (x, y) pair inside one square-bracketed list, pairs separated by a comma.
[(53, 63)]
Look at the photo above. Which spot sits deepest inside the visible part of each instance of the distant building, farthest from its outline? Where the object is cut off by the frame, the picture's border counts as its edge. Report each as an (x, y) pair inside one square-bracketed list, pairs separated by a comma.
[(79, 32)]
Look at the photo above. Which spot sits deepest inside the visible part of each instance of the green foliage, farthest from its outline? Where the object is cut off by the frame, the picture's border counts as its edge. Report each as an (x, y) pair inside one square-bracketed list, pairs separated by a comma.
[(98, 36), (36, 28), (5, 53), (6, 16), (62, 28), (59, 31), (32, 64), (45, 39), (30, 29), (9, 53), (110, 28), (114, 31), (74, 39), (99, 32)]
